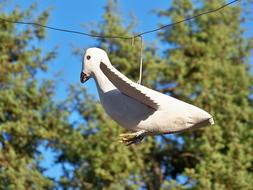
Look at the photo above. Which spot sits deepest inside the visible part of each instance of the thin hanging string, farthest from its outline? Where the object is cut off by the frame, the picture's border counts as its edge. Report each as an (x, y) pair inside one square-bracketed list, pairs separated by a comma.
[(141, 60), (132, 41), (141, 57), (121, 37)]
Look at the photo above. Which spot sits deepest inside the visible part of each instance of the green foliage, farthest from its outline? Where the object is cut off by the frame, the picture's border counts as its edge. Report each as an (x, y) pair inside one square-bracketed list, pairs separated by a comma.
[(208, 61), (28, 117)]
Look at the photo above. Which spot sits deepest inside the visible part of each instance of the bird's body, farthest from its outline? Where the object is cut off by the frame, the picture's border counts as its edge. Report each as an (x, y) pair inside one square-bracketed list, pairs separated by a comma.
[(138, 108)]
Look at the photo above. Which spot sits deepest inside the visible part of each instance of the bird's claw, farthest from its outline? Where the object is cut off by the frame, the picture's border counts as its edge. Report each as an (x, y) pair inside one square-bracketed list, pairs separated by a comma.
[(132, 138)]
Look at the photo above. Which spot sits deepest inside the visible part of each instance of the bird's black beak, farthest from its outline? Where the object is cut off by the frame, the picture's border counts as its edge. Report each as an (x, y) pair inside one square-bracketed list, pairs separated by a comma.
[(84, 77)]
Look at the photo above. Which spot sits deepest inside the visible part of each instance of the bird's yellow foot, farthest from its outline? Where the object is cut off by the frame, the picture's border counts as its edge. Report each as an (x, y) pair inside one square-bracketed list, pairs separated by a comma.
[(131, 138)]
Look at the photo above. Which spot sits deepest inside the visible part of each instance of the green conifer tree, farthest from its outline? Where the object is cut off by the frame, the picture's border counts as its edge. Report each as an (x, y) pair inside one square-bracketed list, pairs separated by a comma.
[(28, 116), (208, 63)]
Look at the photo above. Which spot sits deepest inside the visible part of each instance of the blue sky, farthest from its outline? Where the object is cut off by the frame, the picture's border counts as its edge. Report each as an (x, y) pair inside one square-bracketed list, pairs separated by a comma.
[(72, 15)]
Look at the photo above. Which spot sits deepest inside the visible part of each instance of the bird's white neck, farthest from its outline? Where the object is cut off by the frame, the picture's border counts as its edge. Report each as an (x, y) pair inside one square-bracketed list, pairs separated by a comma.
[(103, 83)]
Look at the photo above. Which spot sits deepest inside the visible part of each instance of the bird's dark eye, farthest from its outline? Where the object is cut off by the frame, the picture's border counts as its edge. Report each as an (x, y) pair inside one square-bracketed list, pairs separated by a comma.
[(88, 57)]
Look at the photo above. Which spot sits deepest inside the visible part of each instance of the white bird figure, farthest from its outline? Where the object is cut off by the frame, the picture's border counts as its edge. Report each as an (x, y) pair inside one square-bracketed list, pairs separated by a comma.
[(135, 107)]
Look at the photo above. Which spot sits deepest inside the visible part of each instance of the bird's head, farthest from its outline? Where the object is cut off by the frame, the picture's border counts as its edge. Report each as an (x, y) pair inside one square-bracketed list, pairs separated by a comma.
[(91, 62)]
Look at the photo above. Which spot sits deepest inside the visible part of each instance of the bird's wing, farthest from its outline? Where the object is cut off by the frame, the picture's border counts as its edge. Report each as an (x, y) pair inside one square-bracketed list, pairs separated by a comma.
[(128, 87)]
